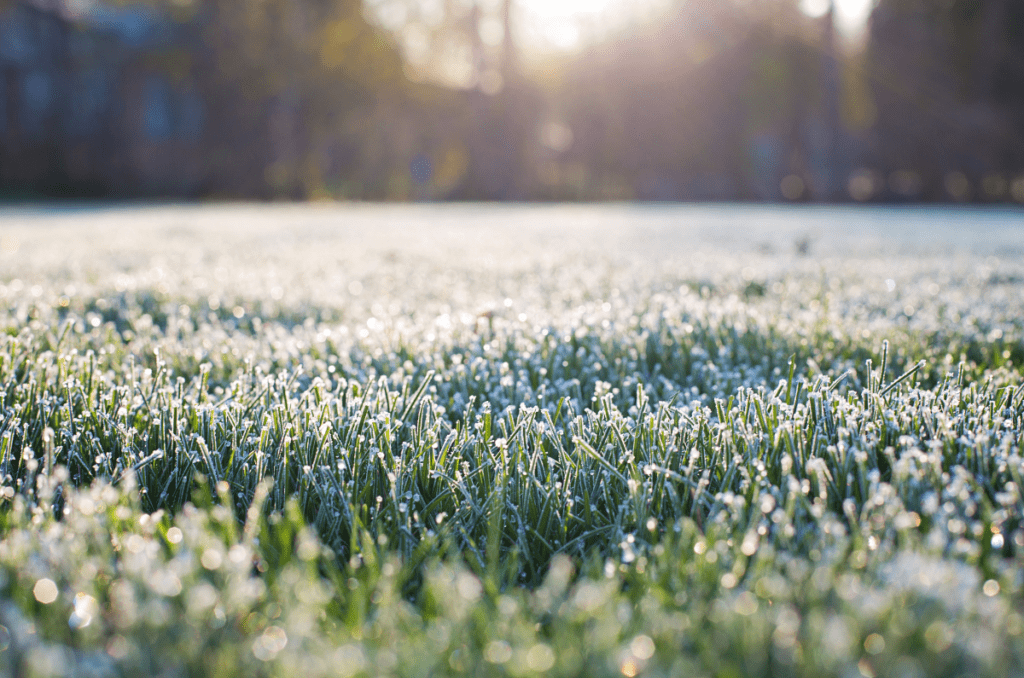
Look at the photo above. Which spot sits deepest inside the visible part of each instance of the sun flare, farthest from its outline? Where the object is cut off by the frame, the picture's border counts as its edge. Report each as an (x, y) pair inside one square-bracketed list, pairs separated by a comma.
[(566, 25)]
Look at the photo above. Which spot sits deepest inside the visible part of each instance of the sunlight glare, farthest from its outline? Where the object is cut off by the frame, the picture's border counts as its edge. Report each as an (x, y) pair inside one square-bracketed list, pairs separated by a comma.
[(814, 8), (566, 24), (567, 8), (851, 16)]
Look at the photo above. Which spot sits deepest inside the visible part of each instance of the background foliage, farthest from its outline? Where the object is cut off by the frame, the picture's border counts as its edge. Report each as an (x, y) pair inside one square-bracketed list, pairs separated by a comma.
[(724, 100)]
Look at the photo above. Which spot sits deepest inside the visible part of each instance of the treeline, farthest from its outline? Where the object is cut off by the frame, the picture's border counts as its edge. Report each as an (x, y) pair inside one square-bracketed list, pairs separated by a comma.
[(721, 101), (709, 101)]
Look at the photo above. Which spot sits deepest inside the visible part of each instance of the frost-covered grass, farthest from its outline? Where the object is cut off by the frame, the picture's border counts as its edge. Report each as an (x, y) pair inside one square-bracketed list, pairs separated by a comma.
[(552, 450)]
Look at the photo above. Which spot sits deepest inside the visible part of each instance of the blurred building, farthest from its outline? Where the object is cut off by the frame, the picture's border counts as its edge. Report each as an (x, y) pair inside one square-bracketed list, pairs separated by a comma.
[(95, 100)]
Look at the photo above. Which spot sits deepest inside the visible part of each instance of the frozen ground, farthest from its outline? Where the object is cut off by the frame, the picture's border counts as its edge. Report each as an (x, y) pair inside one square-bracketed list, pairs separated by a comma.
[(475, 231)]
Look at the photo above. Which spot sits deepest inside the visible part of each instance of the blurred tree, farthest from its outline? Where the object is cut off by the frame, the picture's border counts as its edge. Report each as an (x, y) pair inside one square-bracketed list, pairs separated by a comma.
[(307, 70), (949, 82), (470, 47), (731, 99), (713, 101), (288, 88)]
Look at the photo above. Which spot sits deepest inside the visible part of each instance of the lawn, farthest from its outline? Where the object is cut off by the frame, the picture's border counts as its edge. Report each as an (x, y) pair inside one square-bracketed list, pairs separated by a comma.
[(378, 441)]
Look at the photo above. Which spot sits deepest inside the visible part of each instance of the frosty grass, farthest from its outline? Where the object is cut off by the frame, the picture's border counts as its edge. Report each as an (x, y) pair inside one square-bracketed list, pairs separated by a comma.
[(304, 449)]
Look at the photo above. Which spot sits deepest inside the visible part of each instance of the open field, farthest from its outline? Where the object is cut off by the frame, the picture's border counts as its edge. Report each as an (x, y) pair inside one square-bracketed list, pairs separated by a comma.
[(429, 441)]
